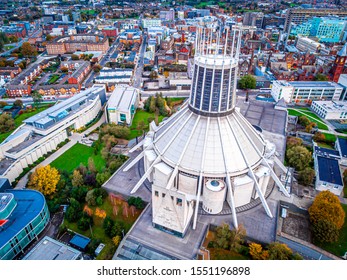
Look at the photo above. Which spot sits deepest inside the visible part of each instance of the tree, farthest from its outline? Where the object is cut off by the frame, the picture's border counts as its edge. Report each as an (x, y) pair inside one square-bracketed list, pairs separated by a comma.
[(84, 222), (237, 237), (74, 57), (28, 50), (153, 75), (321, 77), (116, 240), (18, 103), (141, 126), (325, 231), (223, 235), (279, 251), (306, 176), (247, 82), (101, 178), (293, 141), (37, 98), (257, 253), (304, 121), (49, 37), (319, 137), (97, 68), (44, 179), (326, 211), (91, 165), (136, 201), (6, 123), (74, 211), (77, 179), (79, 193), (299, 157)]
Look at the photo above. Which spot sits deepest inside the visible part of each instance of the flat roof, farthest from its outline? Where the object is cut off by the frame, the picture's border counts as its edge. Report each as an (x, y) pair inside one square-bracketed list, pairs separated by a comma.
[(50, 249), (5, 199), (329, 170), (80, 241), (333, 106), (29, 205), (311, 84), (343, 146), (122, 98), (324, 152)]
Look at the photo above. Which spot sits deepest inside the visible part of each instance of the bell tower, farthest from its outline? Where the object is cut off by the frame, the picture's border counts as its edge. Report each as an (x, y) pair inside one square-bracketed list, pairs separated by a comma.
[(339, 63)]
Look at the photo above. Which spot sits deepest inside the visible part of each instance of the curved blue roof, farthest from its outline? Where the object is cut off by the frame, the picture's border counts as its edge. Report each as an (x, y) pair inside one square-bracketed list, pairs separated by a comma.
[(29, 205)]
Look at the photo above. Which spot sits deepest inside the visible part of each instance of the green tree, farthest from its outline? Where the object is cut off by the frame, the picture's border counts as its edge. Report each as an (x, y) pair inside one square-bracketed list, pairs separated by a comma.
[(319, 137), (102, 177), (247, 82), (85, 222), (306, 176), (325, 231), (37, 98), (299, 157), (49, 38), (237, 238), (74, 57), (6, 123), (137, 202), (223, 236), (74, 211), (304, 121), (321, 77), (141, 126), (325, 211)]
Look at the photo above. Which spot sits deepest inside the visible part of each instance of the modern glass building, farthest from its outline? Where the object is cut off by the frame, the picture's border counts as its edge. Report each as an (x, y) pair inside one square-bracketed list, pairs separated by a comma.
[(326, 29), (23, 216)]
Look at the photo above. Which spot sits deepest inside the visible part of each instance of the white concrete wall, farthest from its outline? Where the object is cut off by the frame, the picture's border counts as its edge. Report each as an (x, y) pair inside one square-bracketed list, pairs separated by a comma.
[(187, 184), (243, 190), (213, 200)]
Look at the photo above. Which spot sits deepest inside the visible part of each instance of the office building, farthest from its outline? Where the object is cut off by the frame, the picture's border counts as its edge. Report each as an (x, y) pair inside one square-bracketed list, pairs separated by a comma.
[(122, 105), (23, 216), (330, 110), (305, 92)]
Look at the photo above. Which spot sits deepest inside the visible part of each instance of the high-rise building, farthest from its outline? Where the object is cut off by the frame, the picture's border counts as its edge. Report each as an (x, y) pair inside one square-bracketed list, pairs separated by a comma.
[(207, 154), (253, 19), (299, 16)]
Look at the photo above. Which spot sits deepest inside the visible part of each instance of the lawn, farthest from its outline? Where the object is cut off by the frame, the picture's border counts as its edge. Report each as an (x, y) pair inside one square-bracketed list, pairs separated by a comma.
[(76, 155), (97, 230), (53, 79), (311, 116), (18, 120), (141, 115), (330, 137), (6, 48), (324, 145), (340, 247)]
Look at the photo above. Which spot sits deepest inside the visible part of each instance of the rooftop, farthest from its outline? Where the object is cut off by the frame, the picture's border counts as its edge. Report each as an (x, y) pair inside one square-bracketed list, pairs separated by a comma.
[(29, 205), (5, 199), (324, 152), (122, 98), (50, 249), (80, 241), (333, 106), (329, 170), (315, 84), (343, 146)]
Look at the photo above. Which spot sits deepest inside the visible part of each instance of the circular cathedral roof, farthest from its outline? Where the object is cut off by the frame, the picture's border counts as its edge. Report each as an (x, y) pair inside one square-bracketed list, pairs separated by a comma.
[(213, 145)]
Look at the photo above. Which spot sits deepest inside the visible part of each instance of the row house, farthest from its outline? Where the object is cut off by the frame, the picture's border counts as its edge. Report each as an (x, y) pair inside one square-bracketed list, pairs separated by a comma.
[(9, 72)]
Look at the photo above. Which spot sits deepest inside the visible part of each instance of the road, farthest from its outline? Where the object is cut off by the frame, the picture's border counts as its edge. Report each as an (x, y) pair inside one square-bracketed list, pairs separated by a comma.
[(89, 80), (17, 45), (139, 68)]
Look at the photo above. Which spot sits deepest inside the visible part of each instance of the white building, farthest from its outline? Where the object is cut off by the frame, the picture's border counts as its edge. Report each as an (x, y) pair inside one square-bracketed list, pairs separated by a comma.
[(207, 154), (43, 132), (302, 91), (327, 169), (114, 76), (122, 105), (330, 110), (151, 22), (305, 44)]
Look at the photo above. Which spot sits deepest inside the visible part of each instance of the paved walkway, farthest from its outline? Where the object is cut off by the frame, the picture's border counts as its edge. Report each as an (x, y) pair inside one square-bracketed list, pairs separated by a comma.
[(74, 138)]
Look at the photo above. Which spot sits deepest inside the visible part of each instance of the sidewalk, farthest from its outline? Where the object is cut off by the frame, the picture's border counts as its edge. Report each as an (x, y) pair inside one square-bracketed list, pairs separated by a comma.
[(74, 138)]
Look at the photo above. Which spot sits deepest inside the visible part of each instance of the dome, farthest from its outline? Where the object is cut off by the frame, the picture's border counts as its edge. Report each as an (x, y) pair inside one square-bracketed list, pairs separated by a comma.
[(213, 146)]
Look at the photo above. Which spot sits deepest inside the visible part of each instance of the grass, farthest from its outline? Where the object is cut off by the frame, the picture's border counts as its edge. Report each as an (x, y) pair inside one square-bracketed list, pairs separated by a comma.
[(141, 115), (324, 145), (6, 48), (18, 120), (311, 116), (330, 137), (98, 232), (340, 247), (76, 155), (53, 79)]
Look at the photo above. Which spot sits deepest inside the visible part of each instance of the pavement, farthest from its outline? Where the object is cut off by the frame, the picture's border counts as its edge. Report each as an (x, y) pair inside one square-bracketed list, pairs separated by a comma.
[(74, 138)]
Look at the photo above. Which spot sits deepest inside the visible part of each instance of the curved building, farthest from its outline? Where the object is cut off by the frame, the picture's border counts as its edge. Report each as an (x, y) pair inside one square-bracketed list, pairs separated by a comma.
[(207, 154), (23, 216)]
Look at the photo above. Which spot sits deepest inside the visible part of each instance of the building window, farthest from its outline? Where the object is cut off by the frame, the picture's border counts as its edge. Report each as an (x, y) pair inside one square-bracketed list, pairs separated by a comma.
[(123, 117), (163, 195), (156, 193)]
